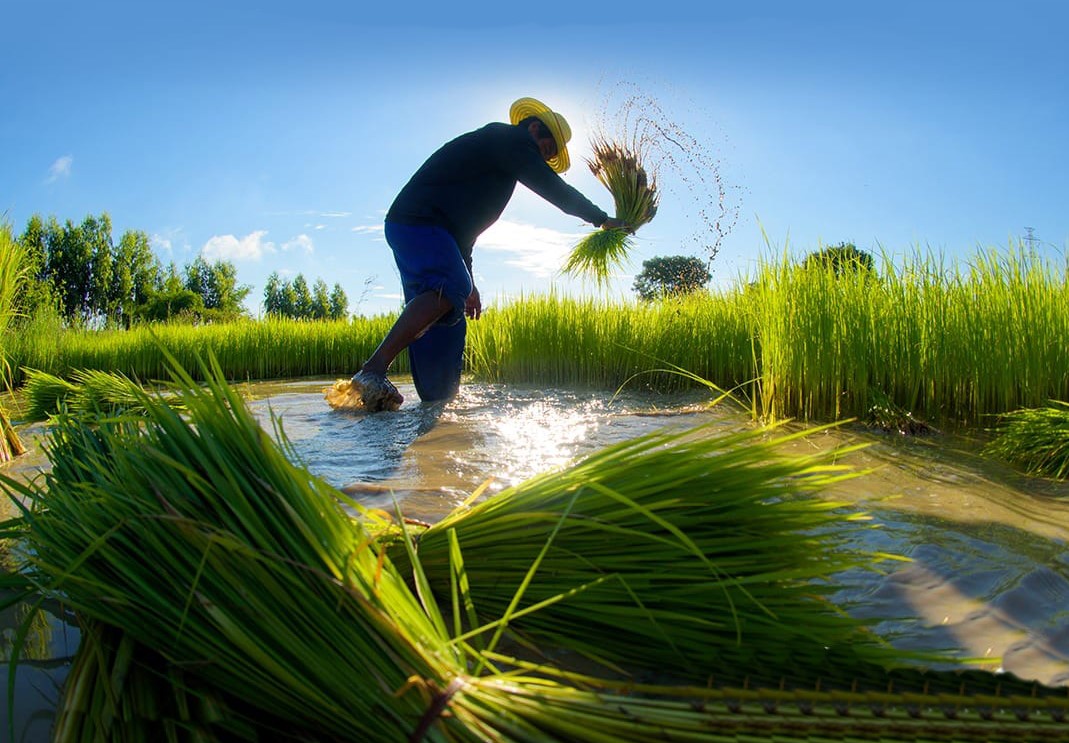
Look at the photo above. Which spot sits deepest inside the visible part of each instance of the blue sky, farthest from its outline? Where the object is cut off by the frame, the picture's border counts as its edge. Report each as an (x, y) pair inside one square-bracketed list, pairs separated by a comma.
[(275, 135)]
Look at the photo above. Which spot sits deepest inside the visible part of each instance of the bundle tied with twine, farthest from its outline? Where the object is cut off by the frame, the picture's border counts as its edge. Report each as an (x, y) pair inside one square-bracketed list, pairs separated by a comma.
[(621, 168)]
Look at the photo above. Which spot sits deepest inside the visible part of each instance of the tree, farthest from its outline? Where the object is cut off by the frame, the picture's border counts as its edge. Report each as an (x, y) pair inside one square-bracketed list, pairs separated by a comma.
[(137, 275), (83, 275), (217, 285), (101, 304), (68, 268), (227, 293), (841, 258), (273, 296), (172, 304), (302, 298), (320, 309), (673, 275), (339, 303), (38, 293)]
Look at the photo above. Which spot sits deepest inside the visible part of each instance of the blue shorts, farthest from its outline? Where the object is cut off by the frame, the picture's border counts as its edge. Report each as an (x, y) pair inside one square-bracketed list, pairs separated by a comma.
[(429, 259)]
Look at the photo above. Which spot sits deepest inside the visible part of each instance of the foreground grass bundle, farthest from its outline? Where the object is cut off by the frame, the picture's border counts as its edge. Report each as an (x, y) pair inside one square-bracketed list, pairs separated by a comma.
[(201, 542), (263, 611), (1036, 439), (620, 169), (690, 553), (88, 391)]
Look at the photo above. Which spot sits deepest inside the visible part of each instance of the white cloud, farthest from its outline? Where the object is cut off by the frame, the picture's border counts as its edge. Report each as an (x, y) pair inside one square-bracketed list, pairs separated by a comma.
[(301, 242), (537, 250), (229, 248), (61, 168), (334, 214), (161, 244), (369, 228)]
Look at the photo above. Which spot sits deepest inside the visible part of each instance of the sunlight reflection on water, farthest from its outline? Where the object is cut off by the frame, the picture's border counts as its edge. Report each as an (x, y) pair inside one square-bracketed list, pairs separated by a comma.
[(430, 457)]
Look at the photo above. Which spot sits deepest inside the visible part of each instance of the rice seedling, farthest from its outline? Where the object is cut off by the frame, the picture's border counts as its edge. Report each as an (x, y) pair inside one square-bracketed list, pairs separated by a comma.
[(194, 537), (46, 393), (687, 552), (259, 590), (88, 391), (1035, 439), (117, 690), (620, 168)]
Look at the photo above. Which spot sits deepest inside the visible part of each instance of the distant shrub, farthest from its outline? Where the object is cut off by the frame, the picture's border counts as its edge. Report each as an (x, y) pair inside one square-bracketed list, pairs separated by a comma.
[(672, 275)]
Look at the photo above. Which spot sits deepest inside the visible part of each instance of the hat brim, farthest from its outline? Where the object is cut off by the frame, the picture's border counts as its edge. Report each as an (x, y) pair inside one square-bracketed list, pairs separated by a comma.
[(525, 107)]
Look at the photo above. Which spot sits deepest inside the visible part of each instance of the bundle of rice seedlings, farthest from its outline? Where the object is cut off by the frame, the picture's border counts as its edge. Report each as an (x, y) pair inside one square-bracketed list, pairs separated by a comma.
[(620, 169), (45, 393), (88, 391), (117, 690), (1036, 439), (196, 538), (684, 553)]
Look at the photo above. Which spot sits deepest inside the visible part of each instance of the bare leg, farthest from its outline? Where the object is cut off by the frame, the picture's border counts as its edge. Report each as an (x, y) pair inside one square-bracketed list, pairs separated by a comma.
[(418, 315)]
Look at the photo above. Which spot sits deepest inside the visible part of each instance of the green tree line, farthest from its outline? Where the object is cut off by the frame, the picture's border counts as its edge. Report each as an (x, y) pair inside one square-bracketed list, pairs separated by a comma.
[(293, 299), (81, 274)]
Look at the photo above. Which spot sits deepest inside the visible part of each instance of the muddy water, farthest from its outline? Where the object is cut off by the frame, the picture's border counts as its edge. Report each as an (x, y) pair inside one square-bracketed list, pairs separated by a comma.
[(988, 574)]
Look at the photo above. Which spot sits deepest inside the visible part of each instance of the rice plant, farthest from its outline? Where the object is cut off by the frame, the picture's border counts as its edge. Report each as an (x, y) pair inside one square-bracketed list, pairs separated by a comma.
[(689, 553), (266, 349), (946, 342), (1035, 439), (949, 343)]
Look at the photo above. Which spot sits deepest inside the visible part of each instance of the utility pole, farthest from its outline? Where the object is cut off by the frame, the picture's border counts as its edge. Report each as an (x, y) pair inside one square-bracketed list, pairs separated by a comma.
[(1030, 238)]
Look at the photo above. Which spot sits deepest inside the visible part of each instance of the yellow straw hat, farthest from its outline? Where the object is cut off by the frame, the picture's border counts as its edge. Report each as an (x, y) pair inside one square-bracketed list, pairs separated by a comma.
[(556, 124)]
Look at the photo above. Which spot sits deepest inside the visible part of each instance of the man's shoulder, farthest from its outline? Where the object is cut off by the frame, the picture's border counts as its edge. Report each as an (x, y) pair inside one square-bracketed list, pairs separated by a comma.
[(498, 130)]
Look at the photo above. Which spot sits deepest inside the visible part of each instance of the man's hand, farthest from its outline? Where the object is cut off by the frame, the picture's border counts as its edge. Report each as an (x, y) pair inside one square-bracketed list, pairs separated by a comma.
[(473, 307), (612, 223)]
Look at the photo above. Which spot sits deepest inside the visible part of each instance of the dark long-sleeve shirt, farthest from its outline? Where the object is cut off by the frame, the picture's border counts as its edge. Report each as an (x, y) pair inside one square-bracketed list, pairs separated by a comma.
[(465, 186)]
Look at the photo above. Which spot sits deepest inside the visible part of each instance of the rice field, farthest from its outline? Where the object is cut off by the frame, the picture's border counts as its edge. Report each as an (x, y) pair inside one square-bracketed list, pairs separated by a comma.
[(949, 343)]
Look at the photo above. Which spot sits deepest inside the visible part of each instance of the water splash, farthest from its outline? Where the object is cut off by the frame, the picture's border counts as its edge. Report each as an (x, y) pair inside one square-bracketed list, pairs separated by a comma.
[(641, 123)]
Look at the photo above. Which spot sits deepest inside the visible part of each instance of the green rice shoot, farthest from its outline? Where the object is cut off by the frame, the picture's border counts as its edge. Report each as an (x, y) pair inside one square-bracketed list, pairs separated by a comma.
[(621, 169)]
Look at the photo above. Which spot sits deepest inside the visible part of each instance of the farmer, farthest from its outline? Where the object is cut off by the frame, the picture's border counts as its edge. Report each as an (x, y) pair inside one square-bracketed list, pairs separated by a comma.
[(432, 226)]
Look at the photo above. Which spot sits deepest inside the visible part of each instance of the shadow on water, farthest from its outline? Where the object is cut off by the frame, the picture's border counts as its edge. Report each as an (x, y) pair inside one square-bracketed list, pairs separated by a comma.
[(988, 575)]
